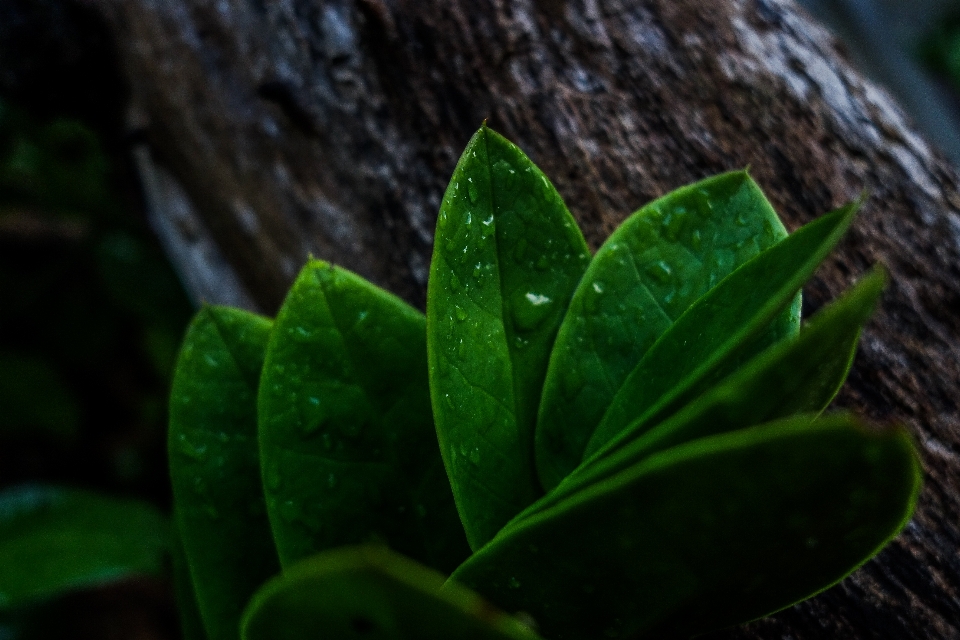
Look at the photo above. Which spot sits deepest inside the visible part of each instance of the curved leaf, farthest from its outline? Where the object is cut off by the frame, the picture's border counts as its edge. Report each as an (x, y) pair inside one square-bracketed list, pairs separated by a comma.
[(507, 256), (214, 464), (798, 376), (651, 269), (707, 534), (55, 539), (721, 329), (347, 443), (371, 593), (191, 620)]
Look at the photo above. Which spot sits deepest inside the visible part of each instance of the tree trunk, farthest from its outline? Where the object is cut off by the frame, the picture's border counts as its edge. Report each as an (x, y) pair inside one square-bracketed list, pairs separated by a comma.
[(282, 128)]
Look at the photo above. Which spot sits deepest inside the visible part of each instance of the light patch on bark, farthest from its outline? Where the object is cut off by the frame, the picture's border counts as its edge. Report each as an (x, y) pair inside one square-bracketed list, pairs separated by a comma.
[(203, 269)]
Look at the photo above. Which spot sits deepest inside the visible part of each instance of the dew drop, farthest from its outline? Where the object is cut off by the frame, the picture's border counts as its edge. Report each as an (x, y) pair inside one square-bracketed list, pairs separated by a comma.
[(200, 487), (660, 271), (195, 452), (459, 313), (454, 283), (469, 218), (704, 203), (475, 456), (514, 583), (696, 240), (289, 511), (768, 235), (530, 310), (673, 225), (546, 192), (505, 176), (598, 286), (301, 334), (274, 477), (477, 270), (472, 191)]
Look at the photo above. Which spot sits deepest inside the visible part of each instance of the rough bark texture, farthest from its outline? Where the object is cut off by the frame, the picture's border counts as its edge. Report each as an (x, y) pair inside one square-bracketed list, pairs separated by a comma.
[(287, 127)]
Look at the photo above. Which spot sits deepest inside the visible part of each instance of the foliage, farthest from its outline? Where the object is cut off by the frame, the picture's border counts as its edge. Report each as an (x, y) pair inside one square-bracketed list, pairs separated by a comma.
[(632, 443), (92, 317)]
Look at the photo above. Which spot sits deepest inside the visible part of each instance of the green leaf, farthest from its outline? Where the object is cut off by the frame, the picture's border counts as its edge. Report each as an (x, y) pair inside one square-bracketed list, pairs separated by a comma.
[(54, 540), (191, 621), (214, 465), (347, 442), (718, 331), (798, 376), (707, 534), (651, 269), (368, 592), (507, 256)]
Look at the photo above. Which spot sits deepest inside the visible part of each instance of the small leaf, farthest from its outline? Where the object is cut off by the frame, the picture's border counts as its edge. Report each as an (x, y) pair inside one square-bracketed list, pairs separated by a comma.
[(507, 256), (651, 269), (798, 376), (707, 534), (54, 540), (219, 508), (371, 593), (718, 330), (347, 442)]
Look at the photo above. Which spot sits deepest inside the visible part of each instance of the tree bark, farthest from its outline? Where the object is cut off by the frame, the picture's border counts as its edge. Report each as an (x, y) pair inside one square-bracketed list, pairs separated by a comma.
[(282, 128)]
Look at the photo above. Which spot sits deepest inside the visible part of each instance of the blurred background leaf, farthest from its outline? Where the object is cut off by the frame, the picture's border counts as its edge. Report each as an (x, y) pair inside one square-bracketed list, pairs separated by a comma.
[(91, 316)]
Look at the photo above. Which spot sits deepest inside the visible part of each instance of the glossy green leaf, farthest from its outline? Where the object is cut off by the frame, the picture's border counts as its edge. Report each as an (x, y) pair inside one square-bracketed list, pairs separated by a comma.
[(507, 256), (651, 269), (707, 534), (191, 620), (798, 376), (371, 593), (54, 540), (718, 330), (214, 464), (347, 443)]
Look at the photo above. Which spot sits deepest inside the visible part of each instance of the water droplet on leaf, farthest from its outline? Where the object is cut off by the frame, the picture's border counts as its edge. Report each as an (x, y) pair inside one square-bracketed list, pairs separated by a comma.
[(529, 310), (660, 271)]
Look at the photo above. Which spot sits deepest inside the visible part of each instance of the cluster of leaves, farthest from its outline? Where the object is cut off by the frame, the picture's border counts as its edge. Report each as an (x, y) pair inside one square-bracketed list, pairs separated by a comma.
[(630, 444), (91, 321)]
